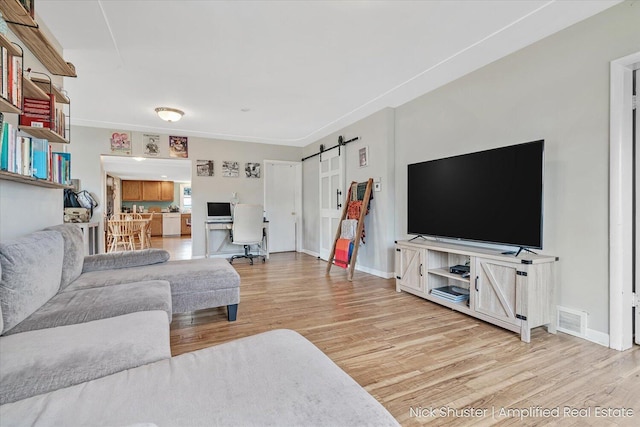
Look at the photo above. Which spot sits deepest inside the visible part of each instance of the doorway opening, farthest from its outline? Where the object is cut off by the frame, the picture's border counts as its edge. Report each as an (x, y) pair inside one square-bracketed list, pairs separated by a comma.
[(152, 185)]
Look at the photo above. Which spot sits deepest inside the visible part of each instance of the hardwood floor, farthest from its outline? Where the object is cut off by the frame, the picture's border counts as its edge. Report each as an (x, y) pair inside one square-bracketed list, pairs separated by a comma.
[(178, 246), (413, 355)]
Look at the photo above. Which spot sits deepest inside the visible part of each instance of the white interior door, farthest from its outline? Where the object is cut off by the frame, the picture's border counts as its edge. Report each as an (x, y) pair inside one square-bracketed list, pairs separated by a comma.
[(281, 204), (331, 197)]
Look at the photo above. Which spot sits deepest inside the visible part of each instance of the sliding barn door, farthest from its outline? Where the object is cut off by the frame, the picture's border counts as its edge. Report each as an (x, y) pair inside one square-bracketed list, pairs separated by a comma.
[(331, 197)]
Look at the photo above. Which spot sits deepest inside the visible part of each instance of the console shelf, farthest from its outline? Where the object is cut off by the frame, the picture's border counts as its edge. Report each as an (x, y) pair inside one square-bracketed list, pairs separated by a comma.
[(515, 293), (24, 179)]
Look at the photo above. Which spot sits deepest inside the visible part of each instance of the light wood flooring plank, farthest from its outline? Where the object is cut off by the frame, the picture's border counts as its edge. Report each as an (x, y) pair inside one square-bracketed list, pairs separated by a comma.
[(410, 353)]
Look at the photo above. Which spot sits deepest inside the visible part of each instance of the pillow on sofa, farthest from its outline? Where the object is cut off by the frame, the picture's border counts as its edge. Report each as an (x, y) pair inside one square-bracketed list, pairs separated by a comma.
[(31, 273), (73, 252), (126, 259)]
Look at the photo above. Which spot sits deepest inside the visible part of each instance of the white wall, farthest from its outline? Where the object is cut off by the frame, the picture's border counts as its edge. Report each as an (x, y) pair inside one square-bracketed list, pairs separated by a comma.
[(90, 143), (557, 90), (376, 132), (218, 188)]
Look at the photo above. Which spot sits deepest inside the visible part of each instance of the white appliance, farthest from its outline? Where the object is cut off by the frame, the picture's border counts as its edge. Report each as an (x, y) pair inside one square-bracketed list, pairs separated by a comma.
[(171, 224)]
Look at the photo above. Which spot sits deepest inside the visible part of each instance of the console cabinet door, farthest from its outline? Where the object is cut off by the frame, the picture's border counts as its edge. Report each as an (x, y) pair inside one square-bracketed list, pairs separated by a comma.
[(410, 269), (496, 290)]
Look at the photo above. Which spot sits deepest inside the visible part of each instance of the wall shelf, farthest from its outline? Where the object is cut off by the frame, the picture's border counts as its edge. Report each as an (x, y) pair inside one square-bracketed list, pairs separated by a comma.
[(48, 87), (24, 26), (31, 90), (43, 133), (16, 177), (12, 48), (8, 107)]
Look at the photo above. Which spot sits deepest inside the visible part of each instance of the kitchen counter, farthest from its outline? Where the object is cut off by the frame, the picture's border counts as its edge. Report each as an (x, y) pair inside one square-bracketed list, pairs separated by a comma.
[(185, 224)]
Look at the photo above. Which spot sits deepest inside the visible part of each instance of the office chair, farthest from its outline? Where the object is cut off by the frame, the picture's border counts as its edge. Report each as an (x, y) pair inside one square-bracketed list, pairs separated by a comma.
[(247, 229)]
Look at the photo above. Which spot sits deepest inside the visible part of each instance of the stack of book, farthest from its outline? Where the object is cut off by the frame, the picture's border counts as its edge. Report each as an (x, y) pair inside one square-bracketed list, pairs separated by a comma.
[(25, 155), (11, 77), (451, 293)]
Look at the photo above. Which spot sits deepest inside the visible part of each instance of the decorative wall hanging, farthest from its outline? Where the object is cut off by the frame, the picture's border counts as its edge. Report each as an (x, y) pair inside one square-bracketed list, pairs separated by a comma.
[(230, 168), (204, 167), (363, 156), (178, 146), (121, 142), (151, 144), (252, 170)]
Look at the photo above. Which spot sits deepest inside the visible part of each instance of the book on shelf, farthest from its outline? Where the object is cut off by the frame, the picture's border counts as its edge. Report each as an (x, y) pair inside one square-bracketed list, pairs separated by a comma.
[(11, 77), (40, 168), (29, 156), (38, 112), (61, 168)]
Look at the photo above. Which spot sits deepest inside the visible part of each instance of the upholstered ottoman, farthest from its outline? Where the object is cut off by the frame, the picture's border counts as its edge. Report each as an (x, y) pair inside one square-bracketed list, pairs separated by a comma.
[(195, 284)]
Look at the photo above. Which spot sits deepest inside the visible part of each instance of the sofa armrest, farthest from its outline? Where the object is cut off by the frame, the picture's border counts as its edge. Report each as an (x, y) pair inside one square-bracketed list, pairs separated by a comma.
[(126, 259)]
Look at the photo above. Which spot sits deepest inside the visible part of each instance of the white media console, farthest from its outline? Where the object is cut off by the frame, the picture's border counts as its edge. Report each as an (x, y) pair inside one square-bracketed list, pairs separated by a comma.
[(516, 293)]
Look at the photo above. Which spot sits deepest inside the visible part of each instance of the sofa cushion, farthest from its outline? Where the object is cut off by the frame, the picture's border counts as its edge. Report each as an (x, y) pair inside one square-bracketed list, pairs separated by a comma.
[(277, 378), (1, 321), (125, 259), (31, 273), (195, 283), (41, 361), (73, 252), (69, 308)]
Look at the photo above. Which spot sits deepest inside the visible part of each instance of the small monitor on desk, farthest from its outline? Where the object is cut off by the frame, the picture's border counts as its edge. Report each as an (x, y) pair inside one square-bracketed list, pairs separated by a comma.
[(219, 212)]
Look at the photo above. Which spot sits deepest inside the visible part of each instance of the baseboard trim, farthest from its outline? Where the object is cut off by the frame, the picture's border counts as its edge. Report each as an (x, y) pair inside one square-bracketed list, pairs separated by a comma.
[(308, 252), (597, 337), (383, 274)]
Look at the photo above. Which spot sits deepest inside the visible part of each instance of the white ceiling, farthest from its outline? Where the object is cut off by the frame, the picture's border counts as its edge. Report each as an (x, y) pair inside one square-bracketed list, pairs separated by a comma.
[(303, 69)]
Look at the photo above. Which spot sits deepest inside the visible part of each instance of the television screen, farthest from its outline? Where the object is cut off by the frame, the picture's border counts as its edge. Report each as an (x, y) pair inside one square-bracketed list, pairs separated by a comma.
[(492, 196)]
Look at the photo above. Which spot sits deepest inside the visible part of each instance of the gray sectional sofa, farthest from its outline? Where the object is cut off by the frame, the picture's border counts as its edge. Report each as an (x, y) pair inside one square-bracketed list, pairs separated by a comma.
[(85, 341)]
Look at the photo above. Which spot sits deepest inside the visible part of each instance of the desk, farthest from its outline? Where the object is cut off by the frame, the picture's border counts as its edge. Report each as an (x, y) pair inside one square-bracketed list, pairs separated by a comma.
[(226, 226)]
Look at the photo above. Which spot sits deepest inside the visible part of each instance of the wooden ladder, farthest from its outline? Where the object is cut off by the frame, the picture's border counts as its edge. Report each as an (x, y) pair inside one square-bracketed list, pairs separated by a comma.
[(357, 238)]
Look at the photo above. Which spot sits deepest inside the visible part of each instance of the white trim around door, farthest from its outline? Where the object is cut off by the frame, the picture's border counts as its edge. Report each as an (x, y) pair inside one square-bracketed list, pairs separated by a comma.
[(621, 203)]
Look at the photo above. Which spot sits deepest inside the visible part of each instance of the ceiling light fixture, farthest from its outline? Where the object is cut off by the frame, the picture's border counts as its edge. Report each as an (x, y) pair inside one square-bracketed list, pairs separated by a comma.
[(138, 159), (169, 114)]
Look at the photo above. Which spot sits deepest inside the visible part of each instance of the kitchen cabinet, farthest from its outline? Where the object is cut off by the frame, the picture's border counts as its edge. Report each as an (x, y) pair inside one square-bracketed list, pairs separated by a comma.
[(166, 191), (143, 191), (151, 190), (132, 191), (185, 224)]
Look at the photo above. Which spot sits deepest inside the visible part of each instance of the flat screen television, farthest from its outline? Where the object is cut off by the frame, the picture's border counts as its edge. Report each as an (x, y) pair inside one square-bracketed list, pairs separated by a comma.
[(493, 196)]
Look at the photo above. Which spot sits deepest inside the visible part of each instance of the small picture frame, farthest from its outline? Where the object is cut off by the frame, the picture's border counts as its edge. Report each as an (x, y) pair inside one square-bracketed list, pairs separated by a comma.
[(151, 144), (363, 156), (178, 146), (252, 170), (204, 168), (230, 169), (121, 142)]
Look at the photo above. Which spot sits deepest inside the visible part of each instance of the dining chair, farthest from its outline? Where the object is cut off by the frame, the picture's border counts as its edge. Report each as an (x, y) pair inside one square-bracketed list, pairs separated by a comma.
[(121, 234)]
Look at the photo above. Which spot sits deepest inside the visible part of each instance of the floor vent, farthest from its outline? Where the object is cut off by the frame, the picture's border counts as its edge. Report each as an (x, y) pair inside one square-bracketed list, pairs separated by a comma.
[(572, 322)]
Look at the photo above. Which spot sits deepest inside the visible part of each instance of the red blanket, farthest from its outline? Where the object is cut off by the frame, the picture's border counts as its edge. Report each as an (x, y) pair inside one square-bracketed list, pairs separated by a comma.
[(343, 252)]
